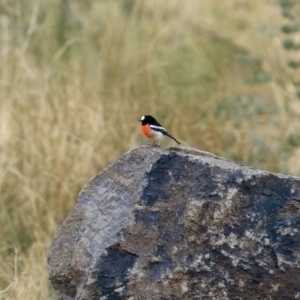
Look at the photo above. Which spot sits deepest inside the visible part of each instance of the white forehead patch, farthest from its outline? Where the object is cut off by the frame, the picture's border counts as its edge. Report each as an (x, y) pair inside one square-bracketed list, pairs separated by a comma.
[(142, 118)]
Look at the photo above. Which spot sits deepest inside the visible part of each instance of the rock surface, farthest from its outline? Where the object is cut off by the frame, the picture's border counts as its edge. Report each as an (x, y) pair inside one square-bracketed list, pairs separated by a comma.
[(180, 224)]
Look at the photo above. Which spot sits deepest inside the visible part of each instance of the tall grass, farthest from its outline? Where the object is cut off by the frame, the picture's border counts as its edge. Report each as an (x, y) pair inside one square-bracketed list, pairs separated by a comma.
[(75, 76)]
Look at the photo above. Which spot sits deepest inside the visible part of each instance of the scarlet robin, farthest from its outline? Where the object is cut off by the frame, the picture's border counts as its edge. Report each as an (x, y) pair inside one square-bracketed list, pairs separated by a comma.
[(153, 130)]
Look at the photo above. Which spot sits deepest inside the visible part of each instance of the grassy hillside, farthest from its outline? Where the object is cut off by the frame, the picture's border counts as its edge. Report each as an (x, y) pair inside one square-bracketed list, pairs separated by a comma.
[(75, 76)]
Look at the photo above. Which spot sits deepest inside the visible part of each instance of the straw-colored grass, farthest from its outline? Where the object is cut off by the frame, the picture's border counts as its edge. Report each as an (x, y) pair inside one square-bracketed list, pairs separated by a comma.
[(75, 76)]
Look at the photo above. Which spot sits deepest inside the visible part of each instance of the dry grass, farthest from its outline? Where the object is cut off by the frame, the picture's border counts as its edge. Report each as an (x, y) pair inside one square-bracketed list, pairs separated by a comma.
[(76, 75)]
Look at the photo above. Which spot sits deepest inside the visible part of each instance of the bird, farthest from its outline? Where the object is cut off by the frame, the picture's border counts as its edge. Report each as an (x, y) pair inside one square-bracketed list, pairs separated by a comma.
[(153, 130)]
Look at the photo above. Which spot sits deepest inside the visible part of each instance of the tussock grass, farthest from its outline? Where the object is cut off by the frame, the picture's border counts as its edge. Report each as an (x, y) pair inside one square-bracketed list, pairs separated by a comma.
[(75, 76)]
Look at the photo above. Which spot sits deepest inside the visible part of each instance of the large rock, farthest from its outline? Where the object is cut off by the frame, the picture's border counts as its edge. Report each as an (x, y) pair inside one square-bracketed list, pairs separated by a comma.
[(180, 224)]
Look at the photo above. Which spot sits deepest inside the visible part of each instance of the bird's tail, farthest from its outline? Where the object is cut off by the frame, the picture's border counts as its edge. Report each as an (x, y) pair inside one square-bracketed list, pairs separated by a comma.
[(169, 135)]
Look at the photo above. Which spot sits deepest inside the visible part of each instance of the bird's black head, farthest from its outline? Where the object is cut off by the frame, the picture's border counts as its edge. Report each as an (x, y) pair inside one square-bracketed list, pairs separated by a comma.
[(147, 119)]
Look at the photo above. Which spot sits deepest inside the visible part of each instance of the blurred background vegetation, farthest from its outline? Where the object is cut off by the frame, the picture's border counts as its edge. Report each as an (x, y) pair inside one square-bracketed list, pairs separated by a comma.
[(75, 76)]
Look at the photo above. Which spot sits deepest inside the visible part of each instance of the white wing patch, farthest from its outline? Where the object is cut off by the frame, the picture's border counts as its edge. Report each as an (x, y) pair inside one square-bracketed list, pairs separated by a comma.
[(158, 128)]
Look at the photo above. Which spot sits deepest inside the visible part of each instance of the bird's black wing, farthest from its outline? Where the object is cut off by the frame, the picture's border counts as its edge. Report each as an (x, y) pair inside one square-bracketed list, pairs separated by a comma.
[(163, 131), (158, 128)]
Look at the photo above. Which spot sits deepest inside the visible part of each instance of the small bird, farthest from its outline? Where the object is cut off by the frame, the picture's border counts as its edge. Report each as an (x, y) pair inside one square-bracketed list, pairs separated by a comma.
[(153, 130)]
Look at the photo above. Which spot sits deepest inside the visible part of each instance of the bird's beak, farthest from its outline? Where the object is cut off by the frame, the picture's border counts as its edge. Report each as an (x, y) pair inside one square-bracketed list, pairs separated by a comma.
[(140, 120)]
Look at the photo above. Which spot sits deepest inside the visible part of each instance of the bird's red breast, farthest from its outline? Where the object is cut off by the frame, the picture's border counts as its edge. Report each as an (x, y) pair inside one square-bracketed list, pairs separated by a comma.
[(147, 131)]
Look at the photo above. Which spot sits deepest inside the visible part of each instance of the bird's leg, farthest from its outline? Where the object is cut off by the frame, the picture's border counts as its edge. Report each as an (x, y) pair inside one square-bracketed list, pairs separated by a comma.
[(155, 144)]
